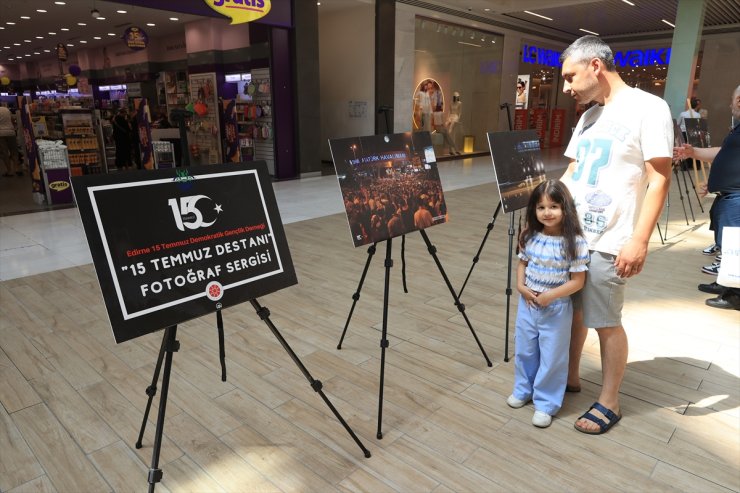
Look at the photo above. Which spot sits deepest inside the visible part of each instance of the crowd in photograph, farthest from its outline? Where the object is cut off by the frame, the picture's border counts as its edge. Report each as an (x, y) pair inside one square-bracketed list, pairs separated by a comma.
[(382, 208)]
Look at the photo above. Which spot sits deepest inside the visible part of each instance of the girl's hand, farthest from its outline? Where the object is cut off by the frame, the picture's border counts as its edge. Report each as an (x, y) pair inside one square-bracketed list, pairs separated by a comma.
[(543, 299), (529, 296)]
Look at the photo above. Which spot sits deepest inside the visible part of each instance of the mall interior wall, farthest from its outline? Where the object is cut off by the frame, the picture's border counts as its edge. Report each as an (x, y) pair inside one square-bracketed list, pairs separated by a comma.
[(347, 72)]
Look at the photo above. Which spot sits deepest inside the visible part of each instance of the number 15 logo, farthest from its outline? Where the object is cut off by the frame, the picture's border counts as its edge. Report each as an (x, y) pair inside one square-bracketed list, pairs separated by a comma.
[(187, 214)]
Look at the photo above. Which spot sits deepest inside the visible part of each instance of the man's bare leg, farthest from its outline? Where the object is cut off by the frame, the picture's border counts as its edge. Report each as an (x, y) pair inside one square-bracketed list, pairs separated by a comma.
[(578, 334), (614, 350)]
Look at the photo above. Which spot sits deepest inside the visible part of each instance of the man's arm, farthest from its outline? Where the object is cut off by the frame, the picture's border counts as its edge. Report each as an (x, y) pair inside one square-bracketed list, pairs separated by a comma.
[(631, 258), (688, 151), (569, 171)]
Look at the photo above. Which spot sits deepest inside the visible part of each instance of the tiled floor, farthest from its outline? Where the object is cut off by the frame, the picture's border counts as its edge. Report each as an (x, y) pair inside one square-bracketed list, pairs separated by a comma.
[(46, 241)]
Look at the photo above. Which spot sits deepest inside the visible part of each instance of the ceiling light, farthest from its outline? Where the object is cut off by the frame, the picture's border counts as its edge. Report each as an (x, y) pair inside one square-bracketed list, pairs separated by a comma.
[(97, 37), (121, 11), (16, 44), (537, 15), (10, 23), (1, 27), (174, 19), (26, 40), (39, 37), (150, 24), (41, 11), (587, 31), (47, 51), (100, 18), (82, 24), (25, 17), (672, 25), (53, 34), (6, 47), (487, 10), (83, 41), (60, 3), (27, 54), (628, 2), (36, 52), (111, 34), (65, 29), (70, 44)]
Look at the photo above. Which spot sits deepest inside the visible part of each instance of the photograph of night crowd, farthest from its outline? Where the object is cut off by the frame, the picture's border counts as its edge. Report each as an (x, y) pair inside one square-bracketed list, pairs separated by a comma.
[(390, 185), (697, 132), (518, 166)]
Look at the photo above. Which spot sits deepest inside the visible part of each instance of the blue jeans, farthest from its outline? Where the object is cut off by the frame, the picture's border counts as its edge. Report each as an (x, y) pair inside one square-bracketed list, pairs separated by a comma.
[(726, 213), (542, 340)]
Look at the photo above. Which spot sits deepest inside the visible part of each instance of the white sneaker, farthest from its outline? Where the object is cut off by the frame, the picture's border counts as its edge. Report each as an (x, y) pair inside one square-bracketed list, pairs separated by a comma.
[(516, 403), (541, 420)]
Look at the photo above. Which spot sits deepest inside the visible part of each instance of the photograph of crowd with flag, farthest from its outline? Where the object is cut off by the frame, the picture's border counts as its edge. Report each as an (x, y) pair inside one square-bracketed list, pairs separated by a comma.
[(390, 185)]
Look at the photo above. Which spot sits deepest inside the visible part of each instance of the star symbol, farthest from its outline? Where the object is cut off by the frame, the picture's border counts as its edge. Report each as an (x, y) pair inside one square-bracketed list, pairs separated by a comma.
[(218, 208)]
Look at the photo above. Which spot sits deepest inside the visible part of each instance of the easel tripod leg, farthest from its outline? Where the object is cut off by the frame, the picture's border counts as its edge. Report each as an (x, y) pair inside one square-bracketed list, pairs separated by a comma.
[(316, 385), (171, 345), (680, 196), (383, 338), (508, 287), (489, 227), (221, 350), (356, 295), (460, 307), (151, 391)]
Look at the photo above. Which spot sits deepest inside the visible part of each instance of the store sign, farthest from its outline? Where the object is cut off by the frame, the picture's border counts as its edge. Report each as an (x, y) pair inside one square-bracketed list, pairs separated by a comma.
[(557, 127), (241, 11), (640, 58), (61, 52), (630, 58), (135, 38)]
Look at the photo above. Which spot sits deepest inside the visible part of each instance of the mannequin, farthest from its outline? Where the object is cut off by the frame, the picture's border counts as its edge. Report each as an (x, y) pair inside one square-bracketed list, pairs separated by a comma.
[(423, 107), (453, 118)]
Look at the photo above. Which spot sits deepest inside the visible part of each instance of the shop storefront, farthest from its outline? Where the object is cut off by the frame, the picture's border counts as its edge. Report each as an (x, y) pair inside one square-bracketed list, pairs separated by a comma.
[(456, 83)]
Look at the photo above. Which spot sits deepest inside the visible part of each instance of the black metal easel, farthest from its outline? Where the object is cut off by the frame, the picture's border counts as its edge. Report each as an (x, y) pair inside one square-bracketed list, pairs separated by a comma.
[(170, 345), (476, 258), (383, 339)]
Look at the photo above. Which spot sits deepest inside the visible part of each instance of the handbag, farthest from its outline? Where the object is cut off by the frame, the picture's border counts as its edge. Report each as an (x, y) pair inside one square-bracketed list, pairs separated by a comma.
[(729, 269)]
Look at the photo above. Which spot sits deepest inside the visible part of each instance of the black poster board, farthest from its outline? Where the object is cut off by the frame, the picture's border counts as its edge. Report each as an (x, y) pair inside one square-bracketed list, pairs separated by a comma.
[(390, 185), (697, 132), (518, 166), (170, 245)]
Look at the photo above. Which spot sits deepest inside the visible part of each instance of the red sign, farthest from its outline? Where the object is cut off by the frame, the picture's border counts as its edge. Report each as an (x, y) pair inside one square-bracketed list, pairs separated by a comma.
[(539, 122), (520, 120), (557, 125)]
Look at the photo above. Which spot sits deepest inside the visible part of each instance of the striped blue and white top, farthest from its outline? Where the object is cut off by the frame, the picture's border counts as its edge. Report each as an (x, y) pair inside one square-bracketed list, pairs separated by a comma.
[(547, 266)]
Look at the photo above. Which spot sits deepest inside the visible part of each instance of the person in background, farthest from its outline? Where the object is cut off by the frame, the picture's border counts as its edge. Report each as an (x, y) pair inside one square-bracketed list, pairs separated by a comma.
[(692, 112), (553, 259), (724, 181), (135, 140), (8, 144), (122, 138), (619, 176)]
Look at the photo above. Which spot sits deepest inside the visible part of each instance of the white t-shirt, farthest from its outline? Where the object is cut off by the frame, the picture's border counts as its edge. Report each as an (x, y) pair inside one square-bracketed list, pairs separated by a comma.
[(687, 114), (610, 145)]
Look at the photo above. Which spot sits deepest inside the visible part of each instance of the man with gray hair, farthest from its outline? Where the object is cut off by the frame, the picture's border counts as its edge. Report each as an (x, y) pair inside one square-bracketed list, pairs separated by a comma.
[(619, 177)]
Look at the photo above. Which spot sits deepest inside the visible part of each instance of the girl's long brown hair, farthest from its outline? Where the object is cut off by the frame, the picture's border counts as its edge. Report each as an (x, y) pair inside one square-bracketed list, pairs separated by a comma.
[(558, 193)]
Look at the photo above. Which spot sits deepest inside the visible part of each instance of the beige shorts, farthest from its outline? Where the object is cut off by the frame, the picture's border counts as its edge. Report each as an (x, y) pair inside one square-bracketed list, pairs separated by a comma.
[(602, 297)]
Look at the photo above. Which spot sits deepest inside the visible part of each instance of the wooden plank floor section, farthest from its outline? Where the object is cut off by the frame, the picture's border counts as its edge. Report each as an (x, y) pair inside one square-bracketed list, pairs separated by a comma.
[(73, 400)]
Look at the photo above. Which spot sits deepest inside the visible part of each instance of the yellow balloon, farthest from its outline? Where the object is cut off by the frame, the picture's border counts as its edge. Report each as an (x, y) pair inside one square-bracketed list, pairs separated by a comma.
[(4, 81), (71, 79)]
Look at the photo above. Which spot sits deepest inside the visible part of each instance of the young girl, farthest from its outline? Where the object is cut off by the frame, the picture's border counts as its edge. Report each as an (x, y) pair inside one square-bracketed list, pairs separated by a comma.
[(553, 262)]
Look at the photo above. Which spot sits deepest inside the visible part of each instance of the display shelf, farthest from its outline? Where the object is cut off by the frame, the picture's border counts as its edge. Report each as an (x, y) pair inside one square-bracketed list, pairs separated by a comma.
[(82, 140), (254, 120)]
